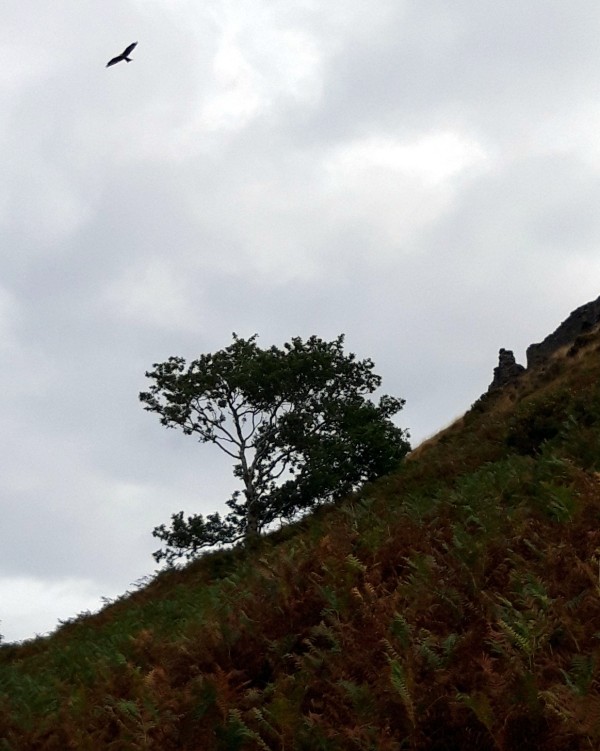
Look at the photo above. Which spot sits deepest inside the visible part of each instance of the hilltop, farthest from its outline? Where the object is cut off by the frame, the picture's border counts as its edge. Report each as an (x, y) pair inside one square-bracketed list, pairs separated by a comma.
[(452, 605)]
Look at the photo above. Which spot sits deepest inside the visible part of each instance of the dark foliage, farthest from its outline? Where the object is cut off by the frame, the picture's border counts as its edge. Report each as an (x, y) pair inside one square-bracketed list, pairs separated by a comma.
[(296, 421)]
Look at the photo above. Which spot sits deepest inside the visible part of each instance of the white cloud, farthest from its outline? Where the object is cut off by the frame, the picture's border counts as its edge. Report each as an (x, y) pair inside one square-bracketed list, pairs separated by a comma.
[(238, 95), (397, 186), (152, 294), (432, 158), (260, 63)]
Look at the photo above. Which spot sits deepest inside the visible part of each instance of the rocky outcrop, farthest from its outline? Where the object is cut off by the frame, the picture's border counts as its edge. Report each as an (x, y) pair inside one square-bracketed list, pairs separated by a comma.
[(571, 331), (579, 322), (507, 371)]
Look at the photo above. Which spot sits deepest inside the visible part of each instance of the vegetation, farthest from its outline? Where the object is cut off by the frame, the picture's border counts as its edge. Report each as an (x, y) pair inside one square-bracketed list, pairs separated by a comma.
[(296, 421), (452, 605)]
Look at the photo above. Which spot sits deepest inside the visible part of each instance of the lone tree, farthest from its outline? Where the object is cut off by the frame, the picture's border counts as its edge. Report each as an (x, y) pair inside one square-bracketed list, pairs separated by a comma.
[(296, 421)]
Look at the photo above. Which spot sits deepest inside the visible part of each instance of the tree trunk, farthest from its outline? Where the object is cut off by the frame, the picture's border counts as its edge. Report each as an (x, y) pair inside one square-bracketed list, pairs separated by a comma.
[(252, 515), (251, 524)]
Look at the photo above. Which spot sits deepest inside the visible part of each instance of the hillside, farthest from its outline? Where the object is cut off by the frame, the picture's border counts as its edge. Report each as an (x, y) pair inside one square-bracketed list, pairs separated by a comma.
[(453, 605)]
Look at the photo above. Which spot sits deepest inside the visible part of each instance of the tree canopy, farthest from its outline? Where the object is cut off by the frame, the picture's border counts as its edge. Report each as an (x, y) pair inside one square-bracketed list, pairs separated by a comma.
[(296, 420)]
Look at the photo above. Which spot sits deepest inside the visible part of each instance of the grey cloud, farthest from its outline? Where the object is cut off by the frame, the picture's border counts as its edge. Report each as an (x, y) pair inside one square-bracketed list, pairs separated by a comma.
[(154, 208)]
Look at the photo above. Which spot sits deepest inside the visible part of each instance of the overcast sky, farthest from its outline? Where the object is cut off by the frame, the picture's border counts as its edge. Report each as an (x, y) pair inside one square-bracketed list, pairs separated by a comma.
[(422, 176)]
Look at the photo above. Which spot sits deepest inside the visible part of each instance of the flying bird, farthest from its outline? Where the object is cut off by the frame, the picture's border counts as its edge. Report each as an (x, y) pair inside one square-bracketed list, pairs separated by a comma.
[(122, 56)]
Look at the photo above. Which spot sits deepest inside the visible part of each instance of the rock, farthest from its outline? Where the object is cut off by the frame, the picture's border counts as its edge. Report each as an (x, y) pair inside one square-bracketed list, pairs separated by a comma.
[(507, 371), (575, 330), (579, 322)]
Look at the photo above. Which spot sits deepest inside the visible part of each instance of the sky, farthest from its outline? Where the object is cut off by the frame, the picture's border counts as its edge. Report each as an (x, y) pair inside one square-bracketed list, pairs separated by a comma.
[(421, 176)]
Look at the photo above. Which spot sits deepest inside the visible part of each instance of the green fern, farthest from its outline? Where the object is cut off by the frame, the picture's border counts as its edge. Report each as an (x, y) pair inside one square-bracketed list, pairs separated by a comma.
[(479, 704), (580, 677), (260, 715), (399, 681), (362, 697), (416, 506), (401, 630), (237, 731), (561, 502), (449, 646), (422, 567), (354, 564), (528, 630)]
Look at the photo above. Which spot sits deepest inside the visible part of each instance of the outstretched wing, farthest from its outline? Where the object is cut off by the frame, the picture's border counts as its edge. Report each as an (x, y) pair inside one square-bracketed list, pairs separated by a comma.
[(129, 49), (122, 56)]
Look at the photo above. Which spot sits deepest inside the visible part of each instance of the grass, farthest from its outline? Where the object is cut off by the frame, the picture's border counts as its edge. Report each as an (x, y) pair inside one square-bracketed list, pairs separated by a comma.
[(452, 605)]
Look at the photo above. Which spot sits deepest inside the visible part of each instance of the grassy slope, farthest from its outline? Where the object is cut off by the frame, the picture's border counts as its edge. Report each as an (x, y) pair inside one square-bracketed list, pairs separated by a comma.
[(454, 605)]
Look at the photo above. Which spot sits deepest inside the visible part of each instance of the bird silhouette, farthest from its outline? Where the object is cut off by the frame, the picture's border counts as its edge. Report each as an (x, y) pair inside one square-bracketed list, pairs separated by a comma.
[(122, 56)]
